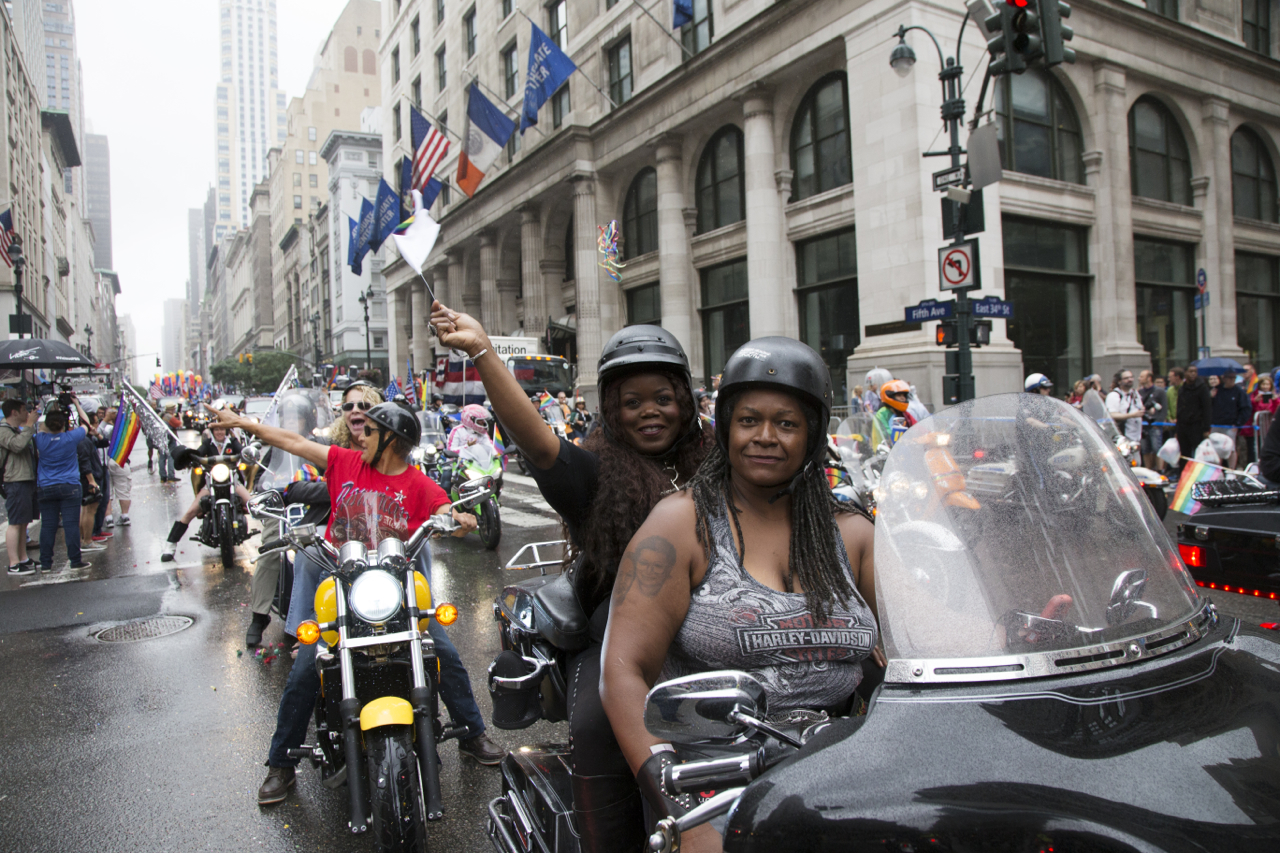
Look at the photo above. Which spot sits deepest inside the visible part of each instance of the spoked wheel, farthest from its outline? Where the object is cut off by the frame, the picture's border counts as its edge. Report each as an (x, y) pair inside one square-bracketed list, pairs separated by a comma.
[(490, 528), (395, 791), (226, 538)]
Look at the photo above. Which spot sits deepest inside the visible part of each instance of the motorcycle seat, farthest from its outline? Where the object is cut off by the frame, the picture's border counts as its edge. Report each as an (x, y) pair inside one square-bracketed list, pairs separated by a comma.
[(558, 615)]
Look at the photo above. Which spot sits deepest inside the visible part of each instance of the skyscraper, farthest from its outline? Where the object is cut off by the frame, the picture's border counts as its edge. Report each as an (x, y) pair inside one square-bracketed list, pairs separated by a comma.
[(97, 174), (197, 253), (173, 336), (250, 109)]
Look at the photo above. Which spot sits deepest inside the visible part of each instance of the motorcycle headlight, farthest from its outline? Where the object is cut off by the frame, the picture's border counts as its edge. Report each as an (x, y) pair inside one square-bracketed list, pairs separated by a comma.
[(220, 473), (375, 596)]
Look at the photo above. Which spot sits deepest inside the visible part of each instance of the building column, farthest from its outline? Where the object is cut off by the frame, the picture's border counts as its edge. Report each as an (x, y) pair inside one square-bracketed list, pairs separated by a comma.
[(1115, 297), (420, 314), (457, 280), (587, 273), (508, 292), (673, 243), (535, 285), (552, 272), (1219, 234), (490, 306), (768, 292), (399, 322)]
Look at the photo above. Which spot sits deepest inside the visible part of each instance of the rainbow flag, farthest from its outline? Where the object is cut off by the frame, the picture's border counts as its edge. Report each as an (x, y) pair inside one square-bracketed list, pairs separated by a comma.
[(1192, 473), (124, 432), (307, 473), (545, 402), (707, 419), (834, 477)]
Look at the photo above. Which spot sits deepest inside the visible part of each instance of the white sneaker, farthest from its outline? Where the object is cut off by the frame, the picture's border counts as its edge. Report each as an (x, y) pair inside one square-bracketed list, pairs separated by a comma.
[(92, 546), (124, 521), (109, 522)]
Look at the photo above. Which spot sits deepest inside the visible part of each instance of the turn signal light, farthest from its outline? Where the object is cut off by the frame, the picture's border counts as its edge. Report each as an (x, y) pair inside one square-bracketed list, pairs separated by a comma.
[(1192, 555), (446, 614), (308, 632)]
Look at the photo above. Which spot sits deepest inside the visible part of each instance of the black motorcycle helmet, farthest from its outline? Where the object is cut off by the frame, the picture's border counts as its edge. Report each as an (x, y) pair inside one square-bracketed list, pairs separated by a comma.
[(637, 349), (395, 419), (784, 364)]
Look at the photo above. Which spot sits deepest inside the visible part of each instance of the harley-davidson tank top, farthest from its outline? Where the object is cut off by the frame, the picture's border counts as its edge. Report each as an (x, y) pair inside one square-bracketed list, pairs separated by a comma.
[(736, 622)]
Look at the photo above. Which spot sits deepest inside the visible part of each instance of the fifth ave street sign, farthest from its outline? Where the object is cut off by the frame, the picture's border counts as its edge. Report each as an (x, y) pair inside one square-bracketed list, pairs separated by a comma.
[(930, 309)]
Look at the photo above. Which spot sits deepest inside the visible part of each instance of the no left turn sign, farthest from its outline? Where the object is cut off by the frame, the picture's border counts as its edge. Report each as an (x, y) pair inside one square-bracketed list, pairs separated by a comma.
[(958, 265)]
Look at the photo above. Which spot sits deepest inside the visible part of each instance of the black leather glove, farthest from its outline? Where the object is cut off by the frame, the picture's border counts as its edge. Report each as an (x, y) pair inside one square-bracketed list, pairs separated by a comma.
[(650, 781)]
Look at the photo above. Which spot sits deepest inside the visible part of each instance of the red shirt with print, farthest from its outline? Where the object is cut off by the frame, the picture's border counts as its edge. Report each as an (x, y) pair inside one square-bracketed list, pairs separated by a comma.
[(370, 506)]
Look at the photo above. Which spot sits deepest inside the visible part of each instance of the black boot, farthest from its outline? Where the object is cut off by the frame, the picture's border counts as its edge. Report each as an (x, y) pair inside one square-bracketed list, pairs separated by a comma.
[(253, 636), (609, 813), (175, 536)]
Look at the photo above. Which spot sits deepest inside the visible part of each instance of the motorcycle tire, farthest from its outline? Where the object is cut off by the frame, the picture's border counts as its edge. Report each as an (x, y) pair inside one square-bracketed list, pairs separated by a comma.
[(226, 538), (395, 791), (490, 527), (1159, 500)]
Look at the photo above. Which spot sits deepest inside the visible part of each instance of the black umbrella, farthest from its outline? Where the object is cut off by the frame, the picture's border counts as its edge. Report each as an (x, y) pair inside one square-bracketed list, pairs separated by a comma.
[(40, 353)]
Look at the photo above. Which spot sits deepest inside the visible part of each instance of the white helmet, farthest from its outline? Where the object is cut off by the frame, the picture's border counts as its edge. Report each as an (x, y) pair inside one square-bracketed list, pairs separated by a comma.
[(876, 377), (1035, 382)]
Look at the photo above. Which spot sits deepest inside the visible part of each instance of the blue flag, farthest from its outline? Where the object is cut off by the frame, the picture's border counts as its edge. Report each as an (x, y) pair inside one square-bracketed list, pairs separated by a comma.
[(406, 183), (386, 215), (549, 67), (353, 246), (430, 192), (366, 230), (683, 13)]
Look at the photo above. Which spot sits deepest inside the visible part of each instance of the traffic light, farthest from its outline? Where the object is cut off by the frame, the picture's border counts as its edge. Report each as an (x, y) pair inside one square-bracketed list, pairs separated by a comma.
[(1016, 39), (981, 333), (250, 357), (157, 361), (240, 358), (946, 334), (1055, 32)]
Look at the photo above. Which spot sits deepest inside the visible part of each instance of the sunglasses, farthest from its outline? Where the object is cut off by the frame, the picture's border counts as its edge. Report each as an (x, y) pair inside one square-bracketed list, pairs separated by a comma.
[(361, 405), (369, 430)]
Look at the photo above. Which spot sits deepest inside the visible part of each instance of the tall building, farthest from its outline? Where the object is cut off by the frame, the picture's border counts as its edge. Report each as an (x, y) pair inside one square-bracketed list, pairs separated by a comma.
[(250, 107), (20, 172), (767, 170), (135, 371), (196, 255), (97, 180), (173, 336)]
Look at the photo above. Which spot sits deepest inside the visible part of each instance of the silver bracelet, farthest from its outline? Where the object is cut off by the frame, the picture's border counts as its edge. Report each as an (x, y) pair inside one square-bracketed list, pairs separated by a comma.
[(476, 357)]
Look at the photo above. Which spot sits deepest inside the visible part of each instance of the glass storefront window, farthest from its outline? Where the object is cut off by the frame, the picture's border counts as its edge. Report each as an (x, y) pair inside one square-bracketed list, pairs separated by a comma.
[(827, 269), (1165, 277), (726, 319), (1258, 308), (1045, 138), (644, 305), (1046, 266)]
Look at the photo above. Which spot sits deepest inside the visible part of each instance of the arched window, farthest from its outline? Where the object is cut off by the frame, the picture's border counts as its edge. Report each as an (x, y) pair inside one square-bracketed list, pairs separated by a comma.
[(1253, 178), (1158, 163), (350, 62), (820, 155), (370, 62), (1038, 130), (721, 191), (640, 215)]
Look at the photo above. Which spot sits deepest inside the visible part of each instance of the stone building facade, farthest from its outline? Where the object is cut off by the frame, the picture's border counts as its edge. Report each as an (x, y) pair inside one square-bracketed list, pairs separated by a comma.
[(768, 177)]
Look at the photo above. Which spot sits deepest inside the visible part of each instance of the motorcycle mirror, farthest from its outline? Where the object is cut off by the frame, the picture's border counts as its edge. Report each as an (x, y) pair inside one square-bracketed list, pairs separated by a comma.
[(251, 453), (1126, 596), (268, 502), (699, 707), (473, 486)]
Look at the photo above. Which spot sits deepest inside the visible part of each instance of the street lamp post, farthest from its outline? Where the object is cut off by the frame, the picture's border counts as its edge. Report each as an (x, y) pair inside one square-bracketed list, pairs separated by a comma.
[(902, 59), (19, 264), (365, 299), (315, 337), (88, 332)]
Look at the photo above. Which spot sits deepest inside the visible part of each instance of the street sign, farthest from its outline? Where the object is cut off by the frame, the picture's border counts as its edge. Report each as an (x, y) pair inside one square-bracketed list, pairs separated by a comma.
[(992, 306), (930, 309), (1202, 280), (958, 265), (23, 328), (1202, 300), (952, 177)]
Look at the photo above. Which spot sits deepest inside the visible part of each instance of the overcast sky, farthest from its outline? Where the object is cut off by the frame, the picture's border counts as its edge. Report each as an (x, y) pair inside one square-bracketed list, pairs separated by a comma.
[(150, 74)]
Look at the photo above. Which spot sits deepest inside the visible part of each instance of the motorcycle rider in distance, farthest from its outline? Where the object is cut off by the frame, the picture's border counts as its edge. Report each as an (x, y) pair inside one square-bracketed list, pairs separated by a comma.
[(759, 527), (649, 442), (408, 498), (474, 429), (1038, 383), (217, 442), (895, 397)]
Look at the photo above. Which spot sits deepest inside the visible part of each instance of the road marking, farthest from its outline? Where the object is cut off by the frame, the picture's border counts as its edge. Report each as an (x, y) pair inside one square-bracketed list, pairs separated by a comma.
[(519, 518)]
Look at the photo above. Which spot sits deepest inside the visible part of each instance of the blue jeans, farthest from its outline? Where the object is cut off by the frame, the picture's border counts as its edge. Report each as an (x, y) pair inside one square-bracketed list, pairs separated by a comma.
[(59, 502), (167, 471), (303, 688)]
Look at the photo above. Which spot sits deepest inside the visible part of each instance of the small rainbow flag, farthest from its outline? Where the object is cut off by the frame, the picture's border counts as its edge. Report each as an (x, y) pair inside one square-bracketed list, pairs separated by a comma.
[(834, 477), (545, 402), (124, 432), (307, 473), (1192, 473)]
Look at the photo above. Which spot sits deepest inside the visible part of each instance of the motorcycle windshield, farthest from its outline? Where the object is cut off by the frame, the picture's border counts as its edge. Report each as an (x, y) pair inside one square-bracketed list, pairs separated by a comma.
[(433, 431), (479, 456), (303, 411), (852, 440), (1096, 410), (1011, 541), (553, 414)]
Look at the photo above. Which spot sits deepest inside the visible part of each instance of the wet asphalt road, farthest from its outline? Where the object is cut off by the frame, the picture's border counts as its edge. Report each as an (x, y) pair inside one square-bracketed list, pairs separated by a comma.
[(159, 744)]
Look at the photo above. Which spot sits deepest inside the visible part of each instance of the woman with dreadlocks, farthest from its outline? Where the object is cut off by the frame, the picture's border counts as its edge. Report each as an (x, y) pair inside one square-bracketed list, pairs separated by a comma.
[(650, 443), (752, 566)]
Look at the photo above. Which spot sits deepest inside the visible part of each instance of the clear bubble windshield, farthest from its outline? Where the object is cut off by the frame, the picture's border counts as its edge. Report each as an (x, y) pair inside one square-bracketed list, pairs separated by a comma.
[(300, 410), (1009, 525)]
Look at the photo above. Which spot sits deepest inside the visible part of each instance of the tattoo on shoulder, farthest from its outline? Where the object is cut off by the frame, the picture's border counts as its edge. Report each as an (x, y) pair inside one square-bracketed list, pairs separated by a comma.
[(653, 560)]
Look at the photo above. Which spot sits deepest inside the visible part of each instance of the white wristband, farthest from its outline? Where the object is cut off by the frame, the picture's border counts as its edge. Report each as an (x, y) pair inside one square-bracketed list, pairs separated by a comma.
[(661, 747)]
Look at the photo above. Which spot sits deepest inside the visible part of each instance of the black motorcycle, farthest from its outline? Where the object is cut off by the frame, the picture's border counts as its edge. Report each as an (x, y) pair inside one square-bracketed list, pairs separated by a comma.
[(377, 719), (224, 523)]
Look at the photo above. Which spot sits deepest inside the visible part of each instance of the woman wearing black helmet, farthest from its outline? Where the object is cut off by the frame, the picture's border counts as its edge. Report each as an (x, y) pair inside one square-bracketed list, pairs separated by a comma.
[(731, 571), (651, 442)]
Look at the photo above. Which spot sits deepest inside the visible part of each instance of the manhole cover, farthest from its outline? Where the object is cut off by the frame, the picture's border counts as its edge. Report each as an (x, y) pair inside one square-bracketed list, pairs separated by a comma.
[(145, 629)]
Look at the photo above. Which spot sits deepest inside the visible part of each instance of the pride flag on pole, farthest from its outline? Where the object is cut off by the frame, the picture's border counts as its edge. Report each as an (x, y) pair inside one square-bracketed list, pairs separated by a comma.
[(1192, 473), (124, 432)]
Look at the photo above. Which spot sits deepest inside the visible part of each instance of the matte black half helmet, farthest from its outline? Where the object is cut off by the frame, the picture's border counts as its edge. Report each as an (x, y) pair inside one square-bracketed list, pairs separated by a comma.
[(783, 364), (396, 418), (636, 349)]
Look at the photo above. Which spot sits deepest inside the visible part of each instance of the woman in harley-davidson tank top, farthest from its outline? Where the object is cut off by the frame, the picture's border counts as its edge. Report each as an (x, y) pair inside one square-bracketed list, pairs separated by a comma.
[(754, 566), (649, 442)]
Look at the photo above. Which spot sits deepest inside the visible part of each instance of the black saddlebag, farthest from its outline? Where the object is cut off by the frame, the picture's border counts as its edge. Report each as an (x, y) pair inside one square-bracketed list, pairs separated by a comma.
[(537, 799), (514, 707)]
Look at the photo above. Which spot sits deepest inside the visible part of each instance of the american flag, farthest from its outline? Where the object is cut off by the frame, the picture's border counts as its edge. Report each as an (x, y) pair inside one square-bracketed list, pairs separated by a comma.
[(410, 392), (6, 235), (429, 147), (155, 393)]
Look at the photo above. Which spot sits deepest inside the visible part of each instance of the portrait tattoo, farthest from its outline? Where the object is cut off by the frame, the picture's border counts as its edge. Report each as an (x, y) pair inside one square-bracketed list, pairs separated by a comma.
[(653, 560)]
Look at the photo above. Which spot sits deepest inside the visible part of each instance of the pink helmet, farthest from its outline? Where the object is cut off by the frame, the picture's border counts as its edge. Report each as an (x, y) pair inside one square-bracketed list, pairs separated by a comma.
[(476, 418)]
